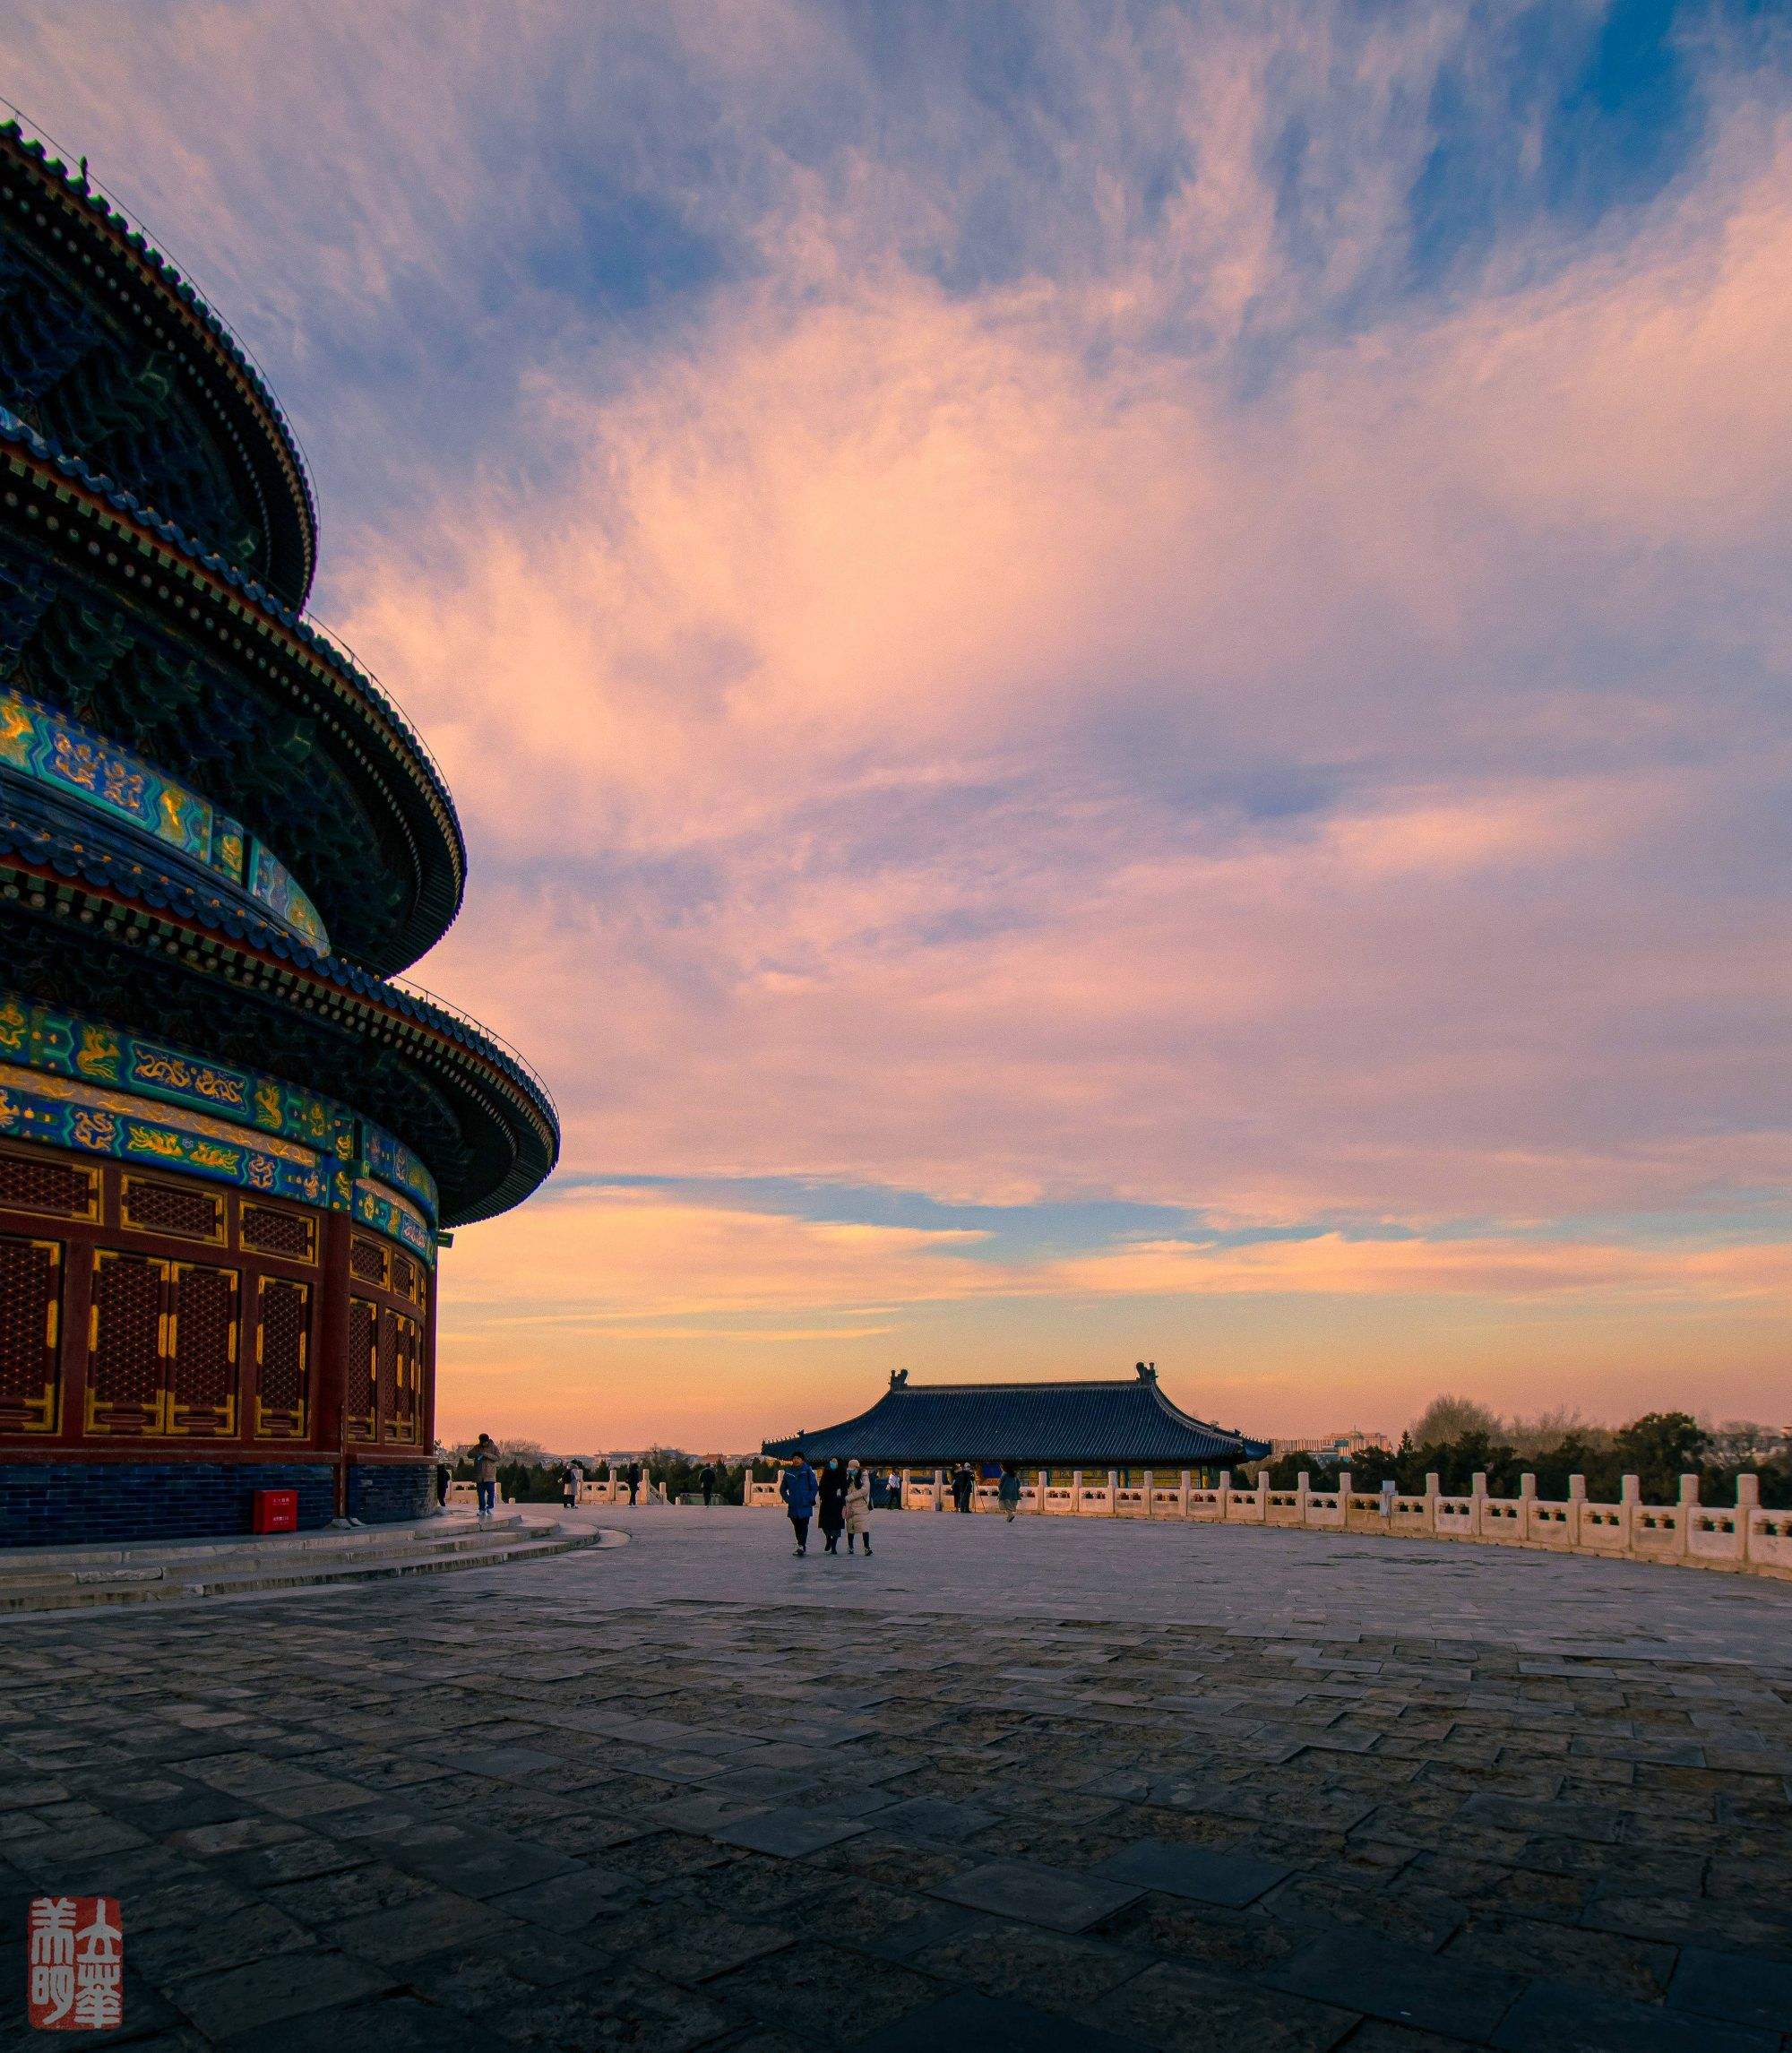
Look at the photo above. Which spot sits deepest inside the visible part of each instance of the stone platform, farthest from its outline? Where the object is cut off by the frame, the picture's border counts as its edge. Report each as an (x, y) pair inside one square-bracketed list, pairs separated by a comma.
[(1029, 1786), (161, 1572)]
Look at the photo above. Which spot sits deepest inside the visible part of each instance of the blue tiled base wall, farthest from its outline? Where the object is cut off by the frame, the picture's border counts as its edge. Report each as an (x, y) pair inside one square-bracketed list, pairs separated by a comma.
[(69, 1504), (392, 1490)]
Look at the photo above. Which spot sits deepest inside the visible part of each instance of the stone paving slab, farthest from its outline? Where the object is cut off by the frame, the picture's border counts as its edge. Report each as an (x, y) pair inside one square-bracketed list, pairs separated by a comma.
[(998, 1787)]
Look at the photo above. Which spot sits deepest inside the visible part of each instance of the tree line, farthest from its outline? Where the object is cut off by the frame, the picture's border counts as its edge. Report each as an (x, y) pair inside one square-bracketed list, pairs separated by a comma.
[(528, 1474), (1456, 1439)]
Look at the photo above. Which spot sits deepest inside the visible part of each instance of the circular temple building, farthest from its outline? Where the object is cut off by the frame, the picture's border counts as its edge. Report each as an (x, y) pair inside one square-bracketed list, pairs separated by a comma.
[(229, 1143)]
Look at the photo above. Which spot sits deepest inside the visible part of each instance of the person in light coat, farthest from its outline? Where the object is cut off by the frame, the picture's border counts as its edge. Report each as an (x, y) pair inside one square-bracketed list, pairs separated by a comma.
[(484, 1460), (858, 1504)]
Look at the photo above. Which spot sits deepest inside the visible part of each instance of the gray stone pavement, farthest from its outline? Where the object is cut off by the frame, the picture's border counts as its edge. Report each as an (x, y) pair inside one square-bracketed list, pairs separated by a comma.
[(1053, 1784)]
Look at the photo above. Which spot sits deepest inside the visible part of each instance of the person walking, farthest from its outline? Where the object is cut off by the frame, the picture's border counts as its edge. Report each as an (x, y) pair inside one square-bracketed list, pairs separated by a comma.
[(962, 1483), (1008, 1491), (858, 1506), (798, 1489), (632, 1477), (831, 1491), (444, 1475), (574, 1477), (706, 1482), (486, 1474)]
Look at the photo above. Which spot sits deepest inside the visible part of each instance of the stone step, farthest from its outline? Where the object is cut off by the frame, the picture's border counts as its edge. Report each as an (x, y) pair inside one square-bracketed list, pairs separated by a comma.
[(237, 1576), (329, 1540)]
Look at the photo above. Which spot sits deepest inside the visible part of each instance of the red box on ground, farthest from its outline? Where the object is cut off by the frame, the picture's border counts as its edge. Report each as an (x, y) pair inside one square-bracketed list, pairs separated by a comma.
[(273, 1511)]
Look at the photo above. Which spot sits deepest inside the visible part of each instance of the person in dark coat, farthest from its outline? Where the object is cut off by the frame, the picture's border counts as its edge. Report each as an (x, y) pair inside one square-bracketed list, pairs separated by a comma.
[(1008, 1492), (444, 1475), (832, 1492), (633, 1479), (963, 1484), (706, 1482), (797, 1485)]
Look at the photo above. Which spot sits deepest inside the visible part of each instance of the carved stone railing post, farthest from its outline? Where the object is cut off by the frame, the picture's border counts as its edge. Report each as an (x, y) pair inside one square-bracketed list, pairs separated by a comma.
[(1076, 1492), (1045, 1484), (1477, 1493), (1686, 1515), (1748, 1502), (1113, 1493), (1183, 1491)]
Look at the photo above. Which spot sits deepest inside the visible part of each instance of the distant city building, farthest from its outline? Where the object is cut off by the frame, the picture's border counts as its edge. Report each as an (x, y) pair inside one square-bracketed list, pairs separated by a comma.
[(1331, 1446)]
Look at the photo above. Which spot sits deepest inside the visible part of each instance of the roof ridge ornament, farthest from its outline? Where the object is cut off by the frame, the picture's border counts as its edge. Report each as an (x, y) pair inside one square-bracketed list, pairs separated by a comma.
[(899, 1379), (1146, 1371)]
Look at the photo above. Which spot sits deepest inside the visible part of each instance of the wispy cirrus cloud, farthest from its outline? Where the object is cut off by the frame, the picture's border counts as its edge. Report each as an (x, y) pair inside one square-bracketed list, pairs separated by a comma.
[(1169, 608)]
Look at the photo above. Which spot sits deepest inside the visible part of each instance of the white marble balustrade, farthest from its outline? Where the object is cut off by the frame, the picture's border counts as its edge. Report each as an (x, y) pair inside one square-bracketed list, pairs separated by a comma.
[(1742, 1539)]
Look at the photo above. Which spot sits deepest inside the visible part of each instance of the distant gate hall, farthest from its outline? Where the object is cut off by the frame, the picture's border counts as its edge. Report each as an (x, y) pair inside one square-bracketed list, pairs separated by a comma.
[(1053, 1432), (228, 1140)]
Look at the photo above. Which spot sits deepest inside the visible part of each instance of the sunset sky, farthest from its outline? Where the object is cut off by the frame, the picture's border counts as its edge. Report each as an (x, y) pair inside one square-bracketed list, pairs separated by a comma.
[(1116, 673)]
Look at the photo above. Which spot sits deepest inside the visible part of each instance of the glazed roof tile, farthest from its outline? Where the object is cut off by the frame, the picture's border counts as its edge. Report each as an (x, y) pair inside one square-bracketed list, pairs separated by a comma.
[(87, 196), (100, 860)]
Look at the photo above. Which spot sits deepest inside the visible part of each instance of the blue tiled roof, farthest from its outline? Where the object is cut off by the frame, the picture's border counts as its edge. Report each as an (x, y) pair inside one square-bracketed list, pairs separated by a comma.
[(1117, 1424)]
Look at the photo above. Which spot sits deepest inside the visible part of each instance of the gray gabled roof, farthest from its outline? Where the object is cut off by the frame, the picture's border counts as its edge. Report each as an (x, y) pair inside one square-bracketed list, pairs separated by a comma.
[(1094, 1424)]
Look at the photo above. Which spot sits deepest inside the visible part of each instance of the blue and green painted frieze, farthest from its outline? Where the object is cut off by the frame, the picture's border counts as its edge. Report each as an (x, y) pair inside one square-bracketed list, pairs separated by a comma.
[(64, 756), (80, 1084)]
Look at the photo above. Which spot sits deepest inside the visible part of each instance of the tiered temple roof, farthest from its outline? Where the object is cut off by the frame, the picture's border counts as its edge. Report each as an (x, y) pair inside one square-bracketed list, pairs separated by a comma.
[(216, 830)]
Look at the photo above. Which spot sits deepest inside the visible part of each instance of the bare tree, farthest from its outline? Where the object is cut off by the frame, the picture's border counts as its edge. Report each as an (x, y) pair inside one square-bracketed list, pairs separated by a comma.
[(1548, 1429), (1448, 1418), (1741, 1440)]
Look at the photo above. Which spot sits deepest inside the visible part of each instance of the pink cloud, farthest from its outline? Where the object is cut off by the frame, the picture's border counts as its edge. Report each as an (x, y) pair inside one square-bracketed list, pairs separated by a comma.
[(969, 735)]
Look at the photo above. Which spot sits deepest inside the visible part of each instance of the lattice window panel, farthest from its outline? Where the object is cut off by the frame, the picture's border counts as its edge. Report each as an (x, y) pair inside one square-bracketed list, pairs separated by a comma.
[(405, 1417), (270, 1230), (367, 1260), (385, 1371), (283, 1360), (126, 1339), (30, 1324), (361, 1397), (403, 1275), (202, 1352), (166, 1208), (30, 1184)]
